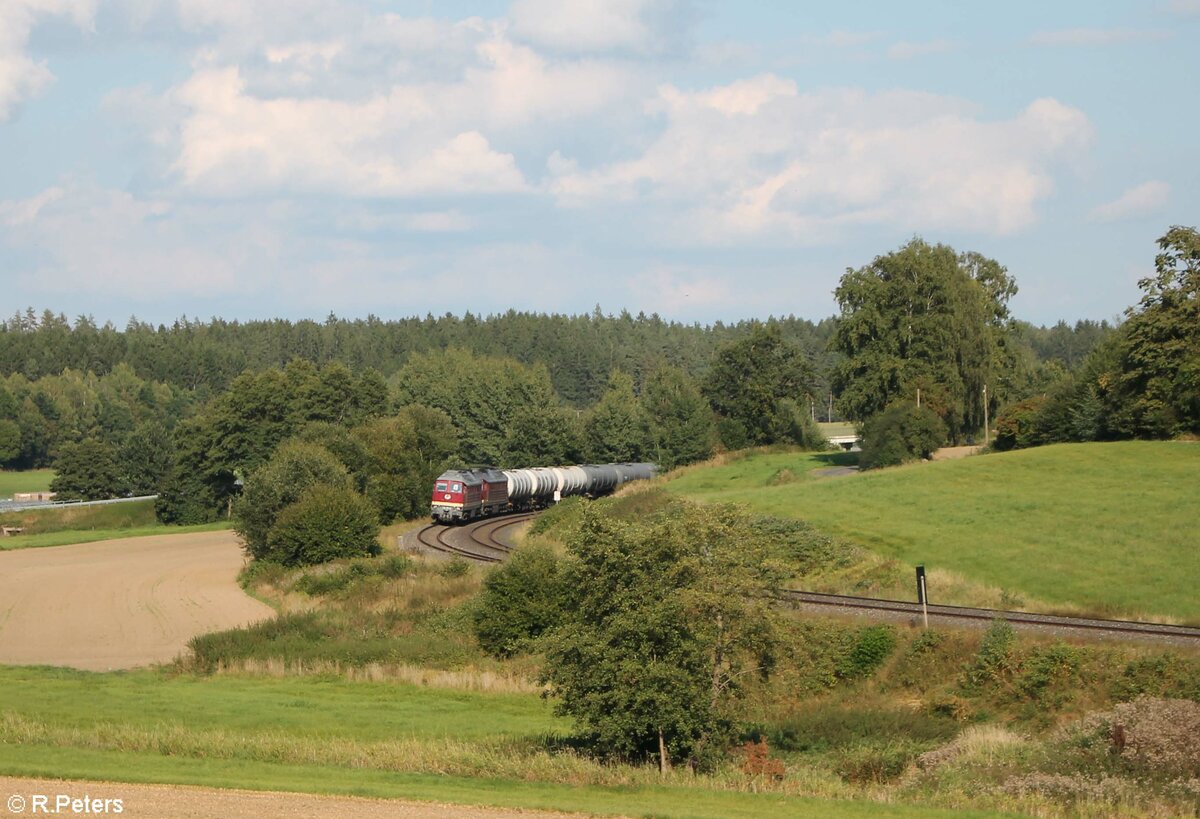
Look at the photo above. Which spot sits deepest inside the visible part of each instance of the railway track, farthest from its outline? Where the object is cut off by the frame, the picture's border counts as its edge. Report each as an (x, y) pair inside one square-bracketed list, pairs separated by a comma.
[(483, 544), (966, 616)]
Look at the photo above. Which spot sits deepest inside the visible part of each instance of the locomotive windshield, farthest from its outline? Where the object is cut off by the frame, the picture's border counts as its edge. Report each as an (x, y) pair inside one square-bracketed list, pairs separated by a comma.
[(441, 487), (456, 488)]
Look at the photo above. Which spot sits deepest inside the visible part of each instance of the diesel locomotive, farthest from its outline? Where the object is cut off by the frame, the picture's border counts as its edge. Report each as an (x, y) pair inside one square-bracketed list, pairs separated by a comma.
[(467, 494)]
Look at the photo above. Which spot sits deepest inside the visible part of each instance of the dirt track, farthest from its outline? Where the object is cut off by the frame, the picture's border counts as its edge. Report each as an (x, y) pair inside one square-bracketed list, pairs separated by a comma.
[(120, 603), (184, 802)]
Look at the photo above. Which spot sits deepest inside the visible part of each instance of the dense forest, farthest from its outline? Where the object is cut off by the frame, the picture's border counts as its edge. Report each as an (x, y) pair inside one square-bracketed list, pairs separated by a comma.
[(63, 382)]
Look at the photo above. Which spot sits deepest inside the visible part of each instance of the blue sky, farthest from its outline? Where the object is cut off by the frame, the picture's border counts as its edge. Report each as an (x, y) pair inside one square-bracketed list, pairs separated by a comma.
[(702, 160)]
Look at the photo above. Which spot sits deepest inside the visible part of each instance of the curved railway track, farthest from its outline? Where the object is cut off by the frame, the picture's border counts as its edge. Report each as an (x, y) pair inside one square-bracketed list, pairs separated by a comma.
[(478, 541)]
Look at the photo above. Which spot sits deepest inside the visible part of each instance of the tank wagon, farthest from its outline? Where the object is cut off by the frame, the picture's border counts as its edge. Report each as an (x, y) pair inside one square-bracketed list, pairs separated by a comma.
[(467, 494)]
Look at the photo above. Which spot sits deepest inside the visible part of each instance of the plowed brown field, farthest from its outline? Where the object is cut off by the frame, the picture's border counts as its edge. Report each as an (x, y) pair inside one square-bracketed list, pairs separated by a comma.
[(120, 603)]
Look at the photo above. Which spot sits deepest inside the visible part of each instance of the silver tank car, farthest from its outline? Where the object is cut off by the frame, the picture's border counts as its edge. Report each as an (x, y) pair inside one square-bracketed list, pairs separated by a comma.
[(540, 486)]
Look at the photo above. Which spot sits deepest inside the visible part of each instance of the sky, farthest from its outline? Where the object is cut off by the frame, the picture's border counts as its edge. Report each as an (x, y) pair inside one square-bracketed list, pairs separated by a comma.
[(702, 160)]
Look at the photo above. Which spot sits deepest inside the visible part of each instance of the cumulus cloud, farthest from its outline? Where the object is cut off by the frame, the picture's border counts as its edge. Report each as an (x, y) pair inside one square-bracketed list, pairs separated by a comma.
[(234, 143), (638, 26), (758, 156), (1139, 200), (22, 77), (289, 122), (1096, 36)]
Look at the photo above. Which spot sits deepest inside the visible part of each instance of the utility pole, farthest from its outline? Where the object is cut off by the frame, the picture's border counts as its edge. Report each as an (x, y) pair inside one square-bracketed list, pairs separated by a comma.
[(918, 397), (985, 416), (829, 417)]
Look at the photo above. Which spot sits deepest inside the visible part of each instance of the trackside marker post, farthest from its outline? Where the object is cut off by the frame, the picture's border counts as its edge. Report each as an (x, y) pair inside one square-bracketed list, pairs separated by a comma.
[(922, 598)]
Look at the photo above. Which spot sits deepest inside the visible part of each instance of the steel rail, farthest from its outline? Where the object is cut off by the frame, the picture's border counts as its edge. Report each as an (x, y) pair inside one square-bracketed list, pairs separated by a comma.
[(978, 615)]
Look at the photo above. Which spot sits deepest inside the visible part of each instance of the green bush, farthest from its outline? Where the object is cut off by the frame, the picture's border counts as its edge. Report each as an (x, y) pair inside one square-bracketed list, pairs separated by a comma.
[(1017, 424), (899, 434), (994, 662), (293, 469), (872, 646), (876, 764), (1049, 674), (1164, 675), (321, 583), (520, 601), (327, 523), (454, 567)]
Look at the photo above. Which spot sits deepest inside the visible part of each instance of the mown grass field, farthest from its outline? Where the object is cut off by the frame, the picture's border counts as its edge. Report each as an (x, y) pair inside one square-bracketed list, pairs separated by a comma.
[(330, 736), (60, 526), (1108, 527), (30, 480)]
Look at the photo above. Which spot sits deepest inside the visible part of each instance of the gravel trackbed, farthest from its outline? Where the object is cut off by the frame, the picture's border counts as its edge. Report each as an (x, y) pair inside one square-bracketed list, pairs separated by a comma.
[(120, 603)]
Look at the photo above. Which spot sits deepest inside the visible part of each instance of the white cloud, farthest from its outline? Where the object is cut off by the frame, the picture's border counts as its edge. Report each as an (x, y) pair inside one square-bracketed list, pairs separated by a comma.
[(1097, 36), (18, 212), (1139, 200), (22, 77), (758, 157), (639, 26), (907, 51), (233, 143), (1185, 8), (94, 240)]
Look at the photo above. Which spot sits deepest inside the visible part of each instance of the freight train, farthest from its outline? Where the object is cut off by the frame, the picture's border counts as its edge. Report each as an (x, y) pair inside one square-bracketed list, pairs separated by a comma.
[(466, 494)]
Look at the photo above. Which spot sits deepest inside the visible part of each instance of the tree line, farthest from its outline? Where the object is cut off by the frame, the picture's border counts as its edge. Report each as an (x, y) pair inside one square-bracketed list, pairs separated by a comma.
[(578, 351)]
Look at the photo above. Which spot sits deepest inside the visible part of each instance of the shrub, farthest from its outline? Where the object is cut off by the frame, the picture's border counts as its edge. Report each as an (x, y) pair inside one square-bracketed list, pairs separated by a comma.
[(1163, 675), (899, 434), (994, 662), (876, 764), (520, 601), (1048, 674), (293, 469), (873, 645), (325, 524), (454, 567), (1017, 424)]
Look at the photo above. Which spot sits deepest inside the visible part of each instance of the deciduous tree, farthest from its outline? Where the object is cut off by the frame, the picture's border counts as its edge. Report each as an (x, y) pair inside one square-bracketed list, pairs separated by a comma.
[(923, 317)]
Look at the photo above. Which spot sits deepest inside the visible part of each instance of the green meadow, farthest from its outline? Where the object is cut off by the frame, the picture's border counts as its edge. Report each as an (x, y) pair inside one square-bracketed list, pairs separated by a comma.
[(322, 735), (30, 480), (1107, 527)]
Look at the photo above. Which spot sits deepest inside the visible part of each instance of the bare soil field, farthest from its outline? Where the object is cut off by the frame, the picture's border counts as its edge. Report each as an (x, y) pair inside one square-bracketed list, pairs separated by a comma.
[(120, 603), (186, 802)]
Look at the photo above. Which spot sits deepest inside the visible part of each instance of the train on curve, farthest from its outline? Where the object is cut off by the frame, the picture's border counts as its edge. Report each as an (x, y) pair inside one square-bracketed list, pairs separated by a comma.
[(467, 494)]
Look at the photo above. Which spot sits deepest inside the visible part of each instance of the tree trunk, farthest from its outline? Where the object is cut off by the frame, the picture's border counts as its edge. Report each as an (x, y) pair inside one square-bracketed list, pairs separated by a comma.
[(718, 659), (664, 762)]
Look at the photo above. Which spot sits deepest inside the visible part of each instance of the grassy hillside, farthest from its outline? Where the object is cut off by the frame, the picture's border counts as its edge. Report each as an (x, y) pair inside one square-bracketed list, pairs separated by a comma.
[(32, 480), (1109, 527)]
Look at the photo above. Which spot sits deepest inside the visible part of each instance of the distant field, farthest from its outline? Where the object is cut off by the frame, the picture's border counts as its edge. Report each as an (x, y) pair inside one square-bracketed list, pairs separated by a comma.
[(1109, 527), (329, 736), (31, 480)]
